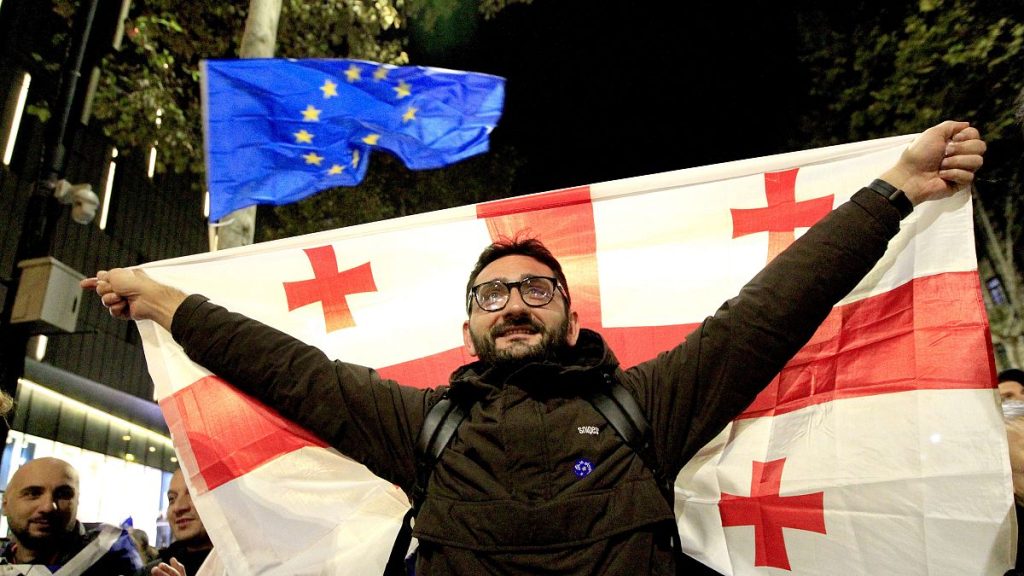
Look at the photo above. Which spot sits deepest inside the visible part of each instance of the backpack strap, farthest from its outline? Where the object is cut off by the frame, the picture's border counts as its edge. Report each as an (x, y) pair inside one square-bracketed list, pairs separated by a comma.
[(439, 426), (620, 409), (618, 406)]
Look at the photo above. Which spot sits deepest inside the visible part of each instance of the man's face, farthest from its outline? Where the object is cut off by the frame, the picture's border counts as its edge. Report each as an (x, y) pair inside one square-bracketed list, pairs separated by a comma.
[(41, 502), (186, 526), (518, 332), (1015, 441), (1011, 390)]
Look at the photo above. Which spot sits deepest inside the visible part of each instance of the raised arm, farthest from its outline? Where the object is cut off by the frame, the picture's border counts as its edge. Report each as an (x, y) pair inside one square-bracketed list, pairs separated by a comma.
[(694, 390), (349, 406)]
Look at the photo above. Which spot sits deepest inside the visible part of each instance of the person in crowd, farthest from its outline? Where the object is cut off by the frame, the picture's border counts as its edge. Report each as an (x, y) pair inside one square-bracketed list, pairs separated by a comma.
[(507, 495), (191, 544), (1011, 384), (1013, 416), (6, 404), (41, 505)]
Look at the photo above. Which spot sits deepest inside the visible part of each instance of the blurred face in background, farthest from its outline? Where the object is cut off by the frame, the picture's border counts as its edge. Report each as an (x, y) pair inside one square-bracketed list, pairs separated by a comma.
[(1011, 390), (186, 525), (1015, 439)]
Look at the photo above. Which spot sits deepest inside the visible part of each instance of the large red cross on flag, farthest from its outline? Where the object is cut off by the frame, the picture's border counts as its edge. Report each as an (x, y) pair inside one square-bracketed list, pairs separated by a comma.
[(769, 512), (894, 456)]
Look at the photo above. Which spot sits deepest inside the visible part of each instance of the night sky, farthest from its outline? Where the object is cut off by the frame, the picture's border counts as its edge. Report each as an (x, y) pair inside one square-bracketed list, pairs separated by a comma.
[(596, 94)]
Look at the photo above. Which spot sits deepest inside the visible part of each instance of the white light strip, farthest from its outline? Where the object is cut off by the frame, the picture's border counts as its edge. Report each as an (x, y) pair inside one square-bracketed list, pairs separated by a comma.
[(39, 350), (19, 110), (108, 188), (206, 204), (131, 429), (152, 161), (119, 32)]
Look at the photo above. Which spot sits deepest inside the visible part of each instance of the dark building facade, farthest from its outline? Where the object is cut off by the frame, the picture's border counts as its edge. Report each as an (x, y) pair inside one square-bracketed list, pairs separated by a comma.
[(89, 389)]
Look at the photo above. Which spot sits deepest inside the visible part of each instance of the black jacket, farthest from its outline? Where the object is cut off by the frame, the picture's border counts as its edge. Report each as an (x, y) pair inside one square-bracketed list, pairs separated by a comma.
[(191, 560), (526, 487)]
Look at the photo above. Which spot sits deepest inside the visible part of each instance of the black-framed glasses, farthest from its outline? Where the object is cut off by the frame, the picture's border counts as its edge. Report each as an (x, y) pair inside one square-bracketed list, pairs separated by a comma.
[(534, 290)]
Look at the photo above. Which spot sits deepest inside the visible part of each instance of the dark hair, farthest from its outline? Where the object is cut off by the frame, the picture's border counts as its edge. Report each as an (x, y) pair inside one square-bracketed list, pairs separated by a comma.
[(1012, 374), (516, 246)]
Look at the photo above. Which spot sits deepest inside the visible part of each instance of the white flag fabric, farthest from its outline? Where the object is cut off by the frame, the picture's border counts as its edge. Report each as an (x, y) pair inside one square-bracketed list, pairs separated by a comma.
[(879, 448)]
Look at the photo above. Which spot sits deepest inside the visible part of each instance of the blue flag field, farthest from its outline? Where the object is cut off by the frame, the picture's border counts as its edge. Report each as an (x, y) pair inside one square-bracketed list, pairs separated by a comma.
[(277, 131)]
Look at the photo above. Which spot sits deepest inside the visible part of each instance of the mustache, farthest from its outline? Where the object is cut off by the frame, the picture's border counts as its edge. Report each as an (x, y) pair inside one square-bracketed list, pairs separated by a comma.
[(48, 517), (516, 322)]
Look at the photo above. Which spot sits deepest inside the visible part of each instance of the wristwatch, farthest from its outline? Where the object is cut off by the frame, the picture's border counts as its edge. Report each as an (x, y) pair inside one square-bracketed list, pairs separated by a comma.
[(895, 196)]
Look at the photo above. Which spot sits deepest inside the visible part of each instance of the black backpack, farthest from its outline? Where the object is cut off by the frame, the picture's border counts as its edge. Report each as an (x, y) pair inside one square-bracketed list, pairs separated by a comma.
[(612, 401)]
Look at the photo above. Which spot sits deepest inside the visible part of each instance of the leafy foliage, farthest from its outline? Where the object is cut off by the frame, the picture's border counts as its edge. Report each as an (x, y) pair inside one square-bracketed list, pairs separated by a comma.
[(149, 96), (149, 93), (882, 68), (878, 69), (899, 67)]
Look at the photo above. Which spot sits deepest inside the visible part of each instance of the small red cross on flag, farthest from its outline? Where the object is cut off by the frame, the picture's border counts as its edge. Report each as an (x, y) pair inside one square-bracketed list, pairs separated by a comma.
[(330, 286), (783, 215)]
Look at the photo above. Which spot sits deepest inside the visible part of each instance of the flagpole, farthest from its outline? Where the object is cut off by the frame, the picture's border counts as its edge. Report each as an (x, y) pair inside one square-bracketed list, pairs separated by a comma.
[(258, 41)]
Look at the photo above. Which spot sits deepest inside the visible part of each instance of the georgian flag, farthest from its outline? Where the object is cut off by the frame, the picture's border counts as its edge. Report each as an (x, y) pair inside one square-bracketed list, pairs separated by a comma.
[(878, 450)]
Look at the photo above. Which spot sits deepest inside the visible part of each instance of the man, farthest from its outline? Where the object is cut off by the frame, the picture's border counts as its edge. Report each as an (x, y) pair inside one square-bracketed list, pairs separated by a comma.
[(41, 505), (1013, 416), (191, 543), (1011, 384), (535, 481)]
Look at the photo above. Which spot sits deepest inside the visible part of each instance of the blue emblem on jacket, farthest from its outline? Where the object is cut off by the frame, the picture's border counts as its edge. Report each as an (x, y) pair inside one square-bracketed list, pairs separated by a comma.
[(583, 468)]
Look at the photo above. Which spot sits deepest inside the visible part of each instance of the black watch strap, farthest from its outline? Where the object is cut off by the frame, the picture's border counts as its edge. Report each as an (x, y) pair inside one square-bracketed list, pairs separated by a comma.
[(896, 196)]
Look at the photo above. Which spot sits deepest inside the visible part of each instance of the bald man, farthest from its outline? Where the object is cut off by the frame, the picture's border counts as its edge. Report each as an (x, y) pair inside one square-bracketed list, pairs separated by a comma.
[(41, 505)]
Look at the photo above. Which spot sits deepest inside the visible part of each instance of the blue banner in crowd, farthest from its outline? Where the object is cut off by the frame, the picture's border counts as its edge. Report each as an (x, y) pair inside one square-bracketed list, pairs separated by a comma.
[(279, 130)]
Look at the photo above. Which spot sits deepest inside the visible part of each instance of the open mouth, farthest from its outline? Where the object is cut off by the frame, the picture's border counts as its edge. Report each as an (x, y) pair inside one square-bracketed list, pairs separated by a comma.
[(523, 331)]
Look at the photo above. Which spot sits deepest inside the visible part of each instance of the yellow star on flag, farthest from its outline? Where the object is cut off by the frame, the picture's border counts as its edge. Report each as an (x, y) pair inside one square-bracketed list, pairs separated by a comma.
[(380, 73), (355, 158), (353, 73), (312, 158), (403, 89), (371, 139), (303, 137), (335, 170), (410, 114), (311, 114), (329, 89)]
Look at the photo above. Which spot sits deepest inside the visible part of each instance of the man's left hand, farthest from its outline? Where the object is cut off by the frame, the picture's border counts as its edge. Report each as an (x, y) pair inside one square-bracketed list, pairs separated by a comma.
[(942, 160)]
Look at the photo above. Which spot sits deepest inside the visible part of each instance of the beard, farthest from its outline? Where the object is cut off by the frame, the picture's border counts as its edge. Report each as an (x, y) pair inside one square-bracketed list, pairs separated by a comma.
[(40, 543), (552, 341)]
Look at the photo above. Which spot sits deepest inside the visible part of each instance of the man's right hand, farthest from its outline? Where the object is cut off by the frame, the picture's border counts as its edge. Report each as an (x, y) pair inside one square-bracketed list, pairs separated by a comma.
[(132, 294)]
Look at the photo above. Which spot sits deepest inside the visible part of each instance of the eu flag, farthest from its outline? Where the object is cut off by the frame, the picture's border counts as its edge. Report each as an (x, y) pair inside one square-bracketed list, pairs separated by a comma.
[(280, 130)]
